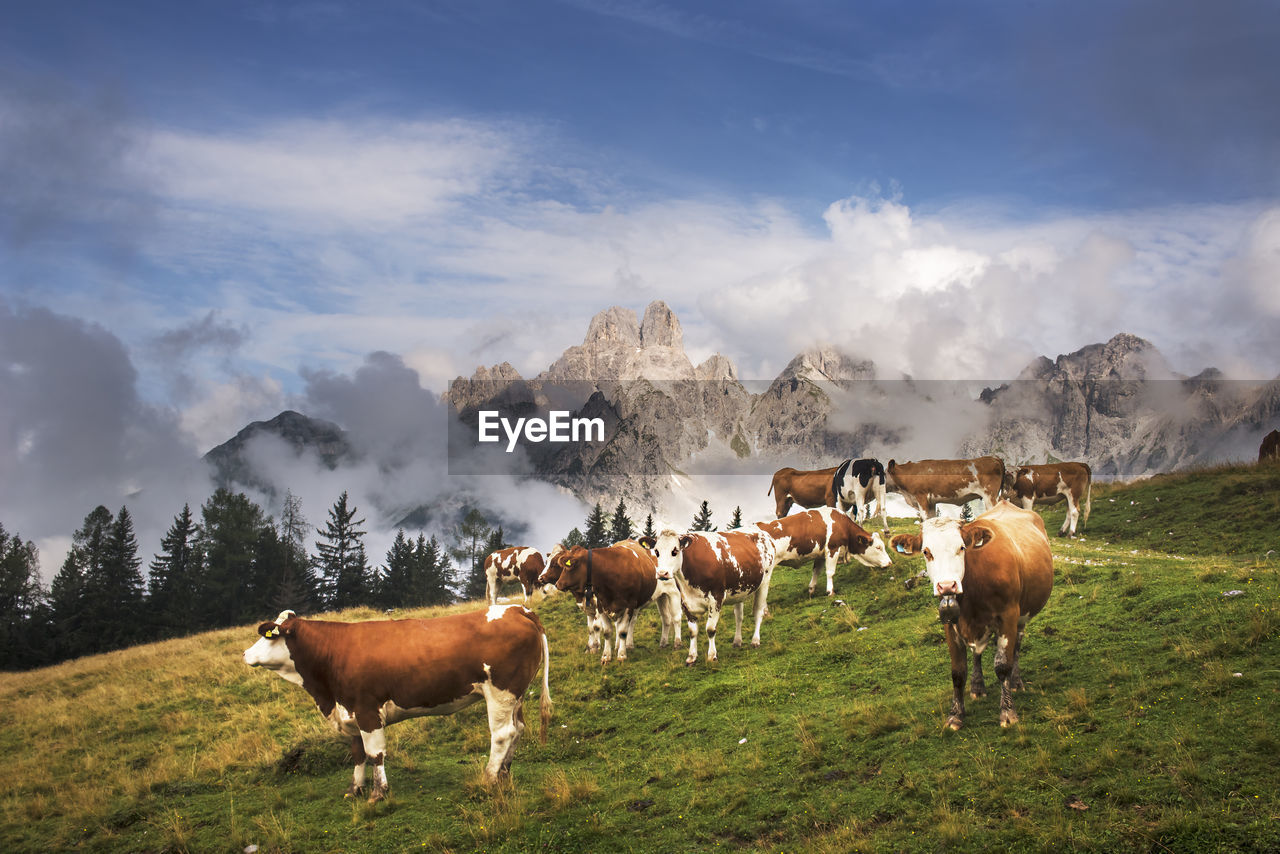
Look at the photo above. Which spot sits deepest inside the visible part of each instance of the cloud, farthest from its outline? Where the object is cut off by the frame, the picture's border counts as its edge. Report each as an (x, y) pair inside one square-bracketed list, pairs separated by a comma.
[(75, 434)]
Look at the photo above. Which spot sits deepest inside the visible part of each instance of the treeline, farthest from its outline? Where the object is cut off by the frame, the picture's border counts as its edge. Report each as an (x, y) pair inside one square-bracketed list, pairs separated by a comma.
[(229, 564), (232, 563)]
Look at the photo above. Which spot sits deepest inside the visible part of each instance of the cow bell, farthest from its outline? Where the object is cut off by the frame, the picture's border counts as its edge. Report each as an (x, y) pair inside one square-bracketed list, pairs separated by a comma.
[(949, 609)]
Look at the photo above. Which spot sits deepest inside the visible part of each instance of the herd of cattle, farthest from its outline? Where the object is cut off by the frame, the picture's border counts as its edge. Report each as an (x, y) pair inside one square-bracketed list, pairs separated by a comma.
[(990, 576)]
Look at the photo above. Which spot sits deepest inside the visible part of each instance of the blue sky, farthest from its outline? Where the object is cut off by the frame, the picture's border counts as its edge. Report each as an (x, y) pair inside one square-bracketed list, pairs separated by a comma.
[(209, 206)]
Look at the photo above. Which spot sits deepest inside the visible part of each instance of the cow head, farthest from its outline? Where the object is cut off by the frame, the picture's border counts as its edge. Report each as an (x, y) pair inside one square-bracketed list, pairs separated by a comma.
[(666, 548), (272, 648), (1010, 479), (945, 544), (570, 569), (873, 552), (550, 572)]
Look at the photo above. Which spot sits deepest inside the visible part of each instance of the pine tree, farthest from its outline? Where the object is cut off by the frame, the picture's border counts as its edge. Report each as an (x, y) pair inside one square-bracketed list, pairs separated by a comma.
[(68, 592), (649, 530), (736, 521), (229, 575), (397, 580), (296, 587), (596, 535), (344, 569), (620, 525), (470, 537), (24, 641), (702, 522), (573, 538), (431, 576), (172, 576), (113, 600)]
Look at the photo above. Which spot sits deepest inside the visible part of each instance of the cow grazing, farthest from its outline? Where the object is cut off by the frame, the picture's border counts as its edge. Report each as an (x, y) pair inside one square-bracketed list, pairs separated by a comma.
[(823, 537), (366, 676), (713, 570), (856, 484), (928, 483), (514, 563), (992, 575), (1049, 484), (1270, 447), (614, 583)]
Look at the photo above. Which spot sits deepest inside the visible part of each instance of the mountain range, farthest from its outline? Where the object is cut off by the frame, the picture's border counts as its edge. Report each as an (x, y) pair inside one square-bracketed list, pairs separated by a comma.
[(1116, 405)]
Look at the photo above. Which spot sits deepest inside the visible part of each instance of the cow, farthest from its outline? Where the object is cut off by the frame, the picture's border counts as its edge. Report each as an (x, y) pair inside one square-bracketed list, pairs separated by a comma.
[(1270, 447), (1049, 484), (927, 483), (614, 583), (366, 676), (856, 484), (514, 563), (806, 488), (992, 575), (823, 536), (713, 570), (550, 574)]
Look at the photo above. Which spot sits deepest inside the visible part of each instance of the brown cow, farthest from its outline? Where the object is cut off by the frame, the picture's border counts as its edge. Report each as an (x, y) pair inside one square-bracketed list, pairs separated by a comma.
[(366, 676), (614, 583), (713, 570), (823, 536), (1049, 484), (514, 563), (993, 575), (806, 488), (927, 483), (1270, 447)]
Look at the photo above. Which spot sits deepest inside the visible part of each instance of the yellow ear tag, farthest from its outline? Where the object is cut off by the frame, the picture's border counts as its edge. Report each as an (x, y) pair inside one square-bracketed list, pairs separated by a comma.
[(568, 563), (272, 633)]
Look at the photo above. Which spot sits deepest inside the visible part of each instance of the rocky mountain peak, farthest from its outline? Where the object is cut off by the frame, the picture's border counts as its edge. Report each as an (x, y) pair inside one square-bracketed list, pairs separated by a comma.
[(826, 364), (660, 327), (717, 368), (613, 328)]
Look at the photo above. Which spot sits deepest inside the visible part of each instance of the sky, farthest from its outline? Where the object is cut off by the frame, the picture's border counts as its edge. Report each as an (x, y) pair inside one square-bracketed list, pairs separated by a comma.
[(214, 211)]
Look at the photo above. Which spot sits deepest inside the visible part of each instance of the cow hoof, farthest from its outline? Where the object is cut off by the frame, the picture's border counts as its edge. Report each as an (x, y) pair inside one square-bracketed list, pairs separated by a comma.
[(831, 594), (689, 662), (977, 695), (378, 794), (755, 644), (1007, 721), (353, 792), (954, 723)]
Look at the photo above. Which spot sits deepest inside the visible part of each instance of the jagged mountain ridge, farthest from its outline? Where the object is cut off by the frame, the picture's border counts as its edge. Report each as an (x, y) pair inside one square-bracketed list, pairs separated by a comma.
[(1117, 405)]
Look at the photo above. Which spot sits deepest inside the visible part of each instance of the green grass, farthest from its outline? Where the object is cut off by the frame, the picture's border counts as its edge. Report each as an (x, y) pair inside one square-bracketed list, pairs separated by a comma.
[(1135, 735)]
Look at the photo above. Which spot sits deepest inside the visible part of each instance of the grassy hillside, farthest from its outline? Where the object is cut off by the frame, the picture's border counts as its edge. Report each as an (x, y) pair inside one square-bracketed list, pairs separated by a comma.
[(1150, 724)]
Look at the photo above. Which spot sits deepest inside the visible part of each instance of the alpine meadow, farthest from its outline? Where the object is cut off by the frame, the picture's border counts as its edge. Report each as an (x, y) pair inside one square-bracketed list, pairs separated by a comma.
[(1149, 723)]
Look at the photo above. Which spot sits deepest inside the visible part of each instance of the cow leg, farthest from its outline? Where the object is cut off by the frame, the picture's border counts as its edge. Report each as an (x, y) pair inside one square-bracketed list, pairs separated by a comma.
[(1073, 513), (375, 748), (629, 633), (626, 637), (1006, 656), (959, 665), (737, 626), (713, 620), (692, 658), (830, 562), (977, 684), (761, 606), (607, 629), (1015, 678), (357, 775), (491, 588), (506, 723), (813, 581)]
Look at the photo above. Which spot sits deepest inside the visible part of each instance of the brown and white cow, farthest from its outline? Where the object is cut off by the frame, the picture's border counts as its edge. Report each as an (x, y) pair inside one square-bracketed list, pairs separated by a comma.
[(823, 536), (992, 575), (366, 676), (713, 570), (514, 563), (613, 584), (1049, 484), (927, 483)]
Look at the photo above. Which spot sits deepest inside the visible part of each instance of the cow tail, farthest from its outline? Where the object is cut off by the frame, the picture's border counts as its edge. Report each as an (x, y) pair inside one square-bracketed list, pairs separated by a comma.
[(770, 492), (546, 689)]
